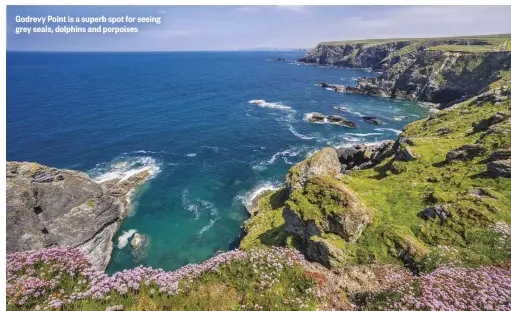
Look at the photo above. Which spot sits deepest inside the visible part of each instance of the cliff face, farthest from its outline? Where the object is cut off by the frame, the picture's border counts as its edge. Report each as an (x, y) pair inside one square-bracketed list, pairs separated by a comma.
[(48, 206), (352, 55), (438, 71)]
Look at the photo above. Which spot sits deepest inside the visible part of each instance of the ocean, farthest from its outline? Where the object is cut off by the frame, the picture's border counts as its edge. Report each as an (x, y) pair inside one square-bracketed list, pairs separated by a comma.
[(187, 117)]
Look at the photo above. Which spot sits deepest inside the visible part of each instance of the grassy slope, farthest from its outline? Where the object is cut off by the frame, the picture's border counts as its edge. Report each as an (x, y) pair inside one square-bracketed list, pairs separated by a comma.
[(396, 199), (495, 43)]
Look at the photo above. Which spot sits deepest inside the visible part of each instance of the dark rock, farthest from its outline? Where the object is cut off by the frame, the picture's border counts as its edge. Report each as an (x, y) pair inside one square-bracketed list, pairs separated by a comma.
[(372, 120), (279, 59), (363, 156), (444, 130), (484, 124), (500, 168), (431, 213), (500, 154), (316, 117), (465, 153), (335, 87), (405, 154), (335, 118)]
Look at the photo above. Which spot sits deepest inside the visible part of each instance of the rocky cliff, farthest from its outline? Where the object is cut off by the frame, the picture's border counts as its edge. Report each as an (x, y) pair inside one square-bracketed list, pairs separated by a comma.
[(47, 207), (443, 71)]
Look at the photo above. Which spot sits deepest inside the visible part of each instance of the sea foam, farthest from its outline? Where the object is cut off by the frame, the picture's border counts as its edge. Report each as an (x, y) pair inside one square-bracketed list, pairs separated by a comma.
[(389, 129), (124, 167), (249, 197), (265, 104), (301, 136), (122, 241)]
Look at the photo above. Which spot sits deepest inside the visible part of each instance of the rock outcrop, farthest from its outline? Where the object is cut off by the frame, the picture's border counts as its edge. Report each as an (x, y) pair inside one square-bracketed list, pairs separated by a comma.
[(465, 153), (139, 245), (500, 168), (364, 156), (48, 206), (319, 206), (316, 117), (371, 119)]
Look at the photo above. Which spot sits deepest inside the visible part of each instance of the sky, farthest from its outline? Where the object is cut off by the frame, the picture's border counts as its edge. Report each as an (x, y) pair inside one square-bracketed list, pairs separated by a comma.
[(208, 28)]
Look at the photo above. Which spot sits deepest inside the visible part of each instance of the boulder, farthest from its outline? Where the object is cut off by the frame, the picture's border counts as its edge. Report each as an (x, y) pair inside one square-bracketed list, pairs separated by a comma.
[(484, 124), (372, 120), (444, 130), (432, 213), (316, 117), (500, 168), (139, 245), (405, 154), (335, 118), (500, 154), (363, 156), (322, 163), (465, 153)]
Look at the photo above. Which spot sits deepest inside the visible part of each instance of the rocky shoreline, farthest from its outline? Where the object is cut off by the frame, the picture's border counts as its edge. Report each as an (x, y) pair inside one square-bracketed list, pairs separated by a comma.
[(415, 69), (48, 207)]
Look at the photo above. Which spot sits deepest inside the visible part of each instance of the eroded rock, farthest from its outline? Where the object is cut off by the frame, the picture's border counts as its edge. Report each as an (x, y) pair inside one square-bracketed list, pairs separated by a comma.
[(48, 206), (465, 153), (500, 168)]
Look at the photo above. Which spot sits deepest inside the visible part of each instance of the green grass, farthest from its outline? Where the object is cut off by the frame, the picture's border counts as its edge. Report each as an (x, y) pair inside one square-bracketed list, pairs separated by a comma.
[(494, 43), (396, 196)]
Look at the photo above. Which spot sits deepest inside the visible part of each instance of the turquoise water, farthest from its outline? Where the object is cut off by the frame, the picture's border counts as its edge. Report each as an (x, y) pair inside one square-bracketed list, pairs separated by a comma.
[(187, 117)]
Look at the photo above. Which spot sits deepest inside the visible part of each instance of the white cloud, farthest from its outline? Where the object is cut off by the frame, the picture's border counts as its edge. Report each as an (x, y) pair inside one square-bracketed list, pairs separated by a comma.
[(295, 8), (246, 9), (427, 21)]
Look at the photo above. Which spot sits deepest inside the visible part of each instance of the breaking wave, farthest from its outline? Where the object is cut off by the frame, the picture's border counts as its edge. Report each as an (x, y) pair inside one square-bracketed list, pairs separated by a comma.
[(389, 129), (265, 104), (249, 197), (122, 241), (301, 136), (124, 167)]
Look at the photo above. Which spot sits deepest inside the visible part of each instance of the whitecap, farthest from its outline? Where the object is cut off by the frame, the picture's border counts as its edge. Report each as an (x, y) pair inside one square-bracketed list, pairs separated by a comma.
[(301, 136), (352, 139), (265, 104), (292, 152), (123, 168), (389, 129), (191, 155), (122, 241), (363, 134)]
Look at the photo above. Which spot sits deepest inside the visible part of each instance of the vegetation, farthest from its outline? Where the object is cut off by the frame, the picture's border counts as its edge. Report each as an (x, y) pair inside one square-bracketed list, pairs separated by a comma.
[(396, 193), (62, 278), (471, 44)]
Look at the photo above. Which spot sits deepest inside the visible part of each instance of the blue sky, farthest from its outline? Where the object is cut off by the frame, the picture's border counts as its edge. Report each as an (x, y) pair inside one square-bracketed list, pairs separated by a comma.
[(186, 28)]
